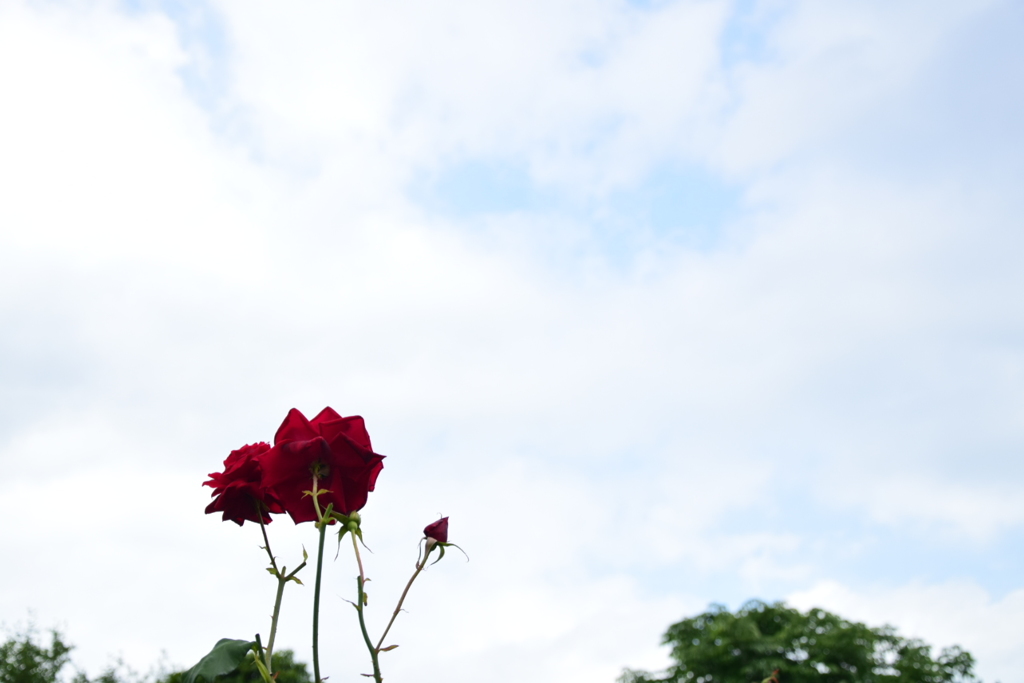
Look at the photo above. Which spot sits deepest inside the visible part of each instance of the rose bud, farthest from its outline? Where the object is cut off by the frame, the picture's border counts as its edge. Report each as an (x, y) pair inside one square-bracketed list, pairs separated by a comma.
[(438, 531)]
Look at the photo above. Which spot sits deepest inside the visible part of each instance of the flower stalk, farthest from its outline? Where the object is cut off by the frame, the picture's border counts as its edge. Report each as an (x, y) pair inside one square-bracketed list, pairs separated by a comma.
[(282, 578), (420, 565), (360, 604), (269, 651), (322, 526), (316, 605)]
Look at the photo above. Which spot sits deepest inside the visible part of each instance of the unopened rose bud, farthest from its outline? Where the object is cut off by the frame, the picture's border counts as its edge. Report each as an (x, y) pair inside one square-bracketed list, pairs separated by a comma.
[(438, 531)]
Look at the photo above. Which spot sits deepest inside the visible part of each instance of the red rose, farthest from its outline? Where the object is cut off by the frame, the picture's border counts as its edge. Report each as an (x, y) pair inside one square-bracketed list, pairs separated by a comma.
[(438, 530), (239, 491), (334, 448)]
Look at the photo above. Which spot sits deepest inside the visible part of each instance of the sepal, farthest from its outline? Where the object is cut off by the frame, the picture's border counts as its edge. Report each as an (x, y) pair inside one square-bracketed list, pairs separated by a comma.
[(347, 523), (441, 547)]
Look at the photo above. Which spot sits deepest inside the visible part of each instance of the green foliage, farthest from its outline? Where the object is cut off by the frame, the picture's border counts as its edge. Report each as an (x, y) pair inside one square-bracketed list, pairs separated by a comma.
[(23, 660), (286, 670), (814, 647)]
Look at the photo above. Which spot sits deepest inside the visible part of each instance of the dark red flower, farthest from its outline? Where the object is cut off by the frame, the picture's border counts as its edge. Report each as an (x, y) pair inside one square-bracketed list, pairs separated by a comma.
[(438, 530), (335, 449), (239, 491)]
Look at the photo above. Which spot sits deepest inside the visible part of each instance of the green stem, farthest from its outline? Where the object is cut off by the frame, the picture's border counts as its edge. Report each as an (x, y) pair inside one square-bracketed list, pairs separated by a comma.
[(398, 608), (260, 653), (268, 653), (316, 606), (281, 581), (360, 580)]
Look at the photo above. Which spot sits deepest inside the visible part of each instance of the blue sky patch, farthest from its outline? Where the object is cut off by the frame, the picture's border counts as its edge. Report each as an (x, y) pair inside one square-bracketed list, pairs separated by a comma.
[(685, 205), (745, 36), (203, 34), (681, 204), (476, 188)]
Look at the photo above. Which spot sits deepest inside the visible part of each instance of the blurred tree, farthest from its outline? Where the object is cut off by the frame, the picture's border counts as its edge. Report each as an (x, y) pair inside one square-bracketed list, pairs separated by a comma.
[(286, 670), (24, 660), (762, 642)]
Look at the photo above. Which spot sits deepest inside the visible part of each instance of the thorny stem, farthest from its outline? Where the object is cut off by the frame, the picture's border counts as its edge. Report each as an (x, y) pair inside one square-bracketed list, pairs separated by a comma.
[(359, 557), (420, 565), (266, 541), (316, 606), (269, 651), (360, 581), (316, 591), (282, 579)]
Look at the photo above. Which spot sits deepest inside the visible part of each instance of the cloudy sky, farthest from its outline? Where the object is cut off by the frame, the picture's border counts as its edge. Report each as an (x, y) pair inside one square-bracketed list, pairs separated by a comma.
[(664, 302)]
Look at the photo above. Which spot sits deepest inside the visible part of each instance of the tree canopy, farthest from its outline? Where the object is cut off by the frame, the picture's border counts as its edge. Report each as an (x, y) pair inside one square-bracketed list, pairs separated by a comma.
[(761, 642), (23, 659)]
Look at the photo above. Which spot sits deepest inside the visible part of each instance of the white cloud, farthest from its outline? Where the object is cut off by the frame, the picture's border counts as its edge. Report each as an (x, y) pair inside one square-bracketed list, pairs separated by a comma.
[(588, 94), (828, 65), (105, 159)]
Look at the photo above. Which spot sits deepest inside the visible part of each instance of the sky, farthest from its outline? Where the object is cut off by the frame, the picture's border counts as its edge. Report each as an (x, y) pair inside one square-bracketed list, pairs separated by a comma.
[(665, 303)]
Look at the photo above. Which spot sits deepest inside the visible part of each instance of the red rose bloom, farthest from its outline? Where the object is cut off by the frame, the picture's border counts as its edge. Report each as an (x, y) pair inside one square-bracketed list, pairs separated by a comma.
[(239, 491), (438, 530), (335, 449)]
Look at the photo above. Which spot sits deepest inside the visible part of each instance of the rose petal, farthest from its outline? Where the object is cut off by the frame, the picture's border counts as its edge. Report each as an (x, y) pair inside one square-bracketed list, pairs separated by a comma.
[(438, 530), (295, 428), (352, 428)]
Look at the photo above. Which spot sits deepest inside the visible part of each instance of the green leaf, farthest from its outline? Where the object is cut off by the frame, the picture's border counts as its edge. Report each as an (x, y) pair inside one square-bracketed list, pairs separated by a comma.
[(224, 658), (389, 648)]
